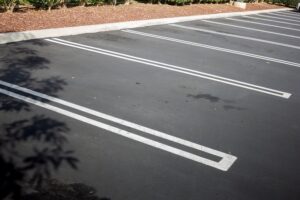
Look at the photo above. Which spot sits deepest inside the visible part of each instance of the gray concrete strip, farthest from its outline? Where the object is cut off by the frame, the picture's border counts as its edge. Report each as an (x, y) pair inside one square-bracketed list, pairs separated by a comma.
[(57, 32)]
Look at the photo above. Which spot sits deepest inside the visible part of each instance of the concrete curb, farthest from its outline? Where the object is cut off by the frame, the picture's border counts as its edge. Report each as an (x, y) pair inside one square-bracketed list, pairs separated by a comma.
[(57, 32)]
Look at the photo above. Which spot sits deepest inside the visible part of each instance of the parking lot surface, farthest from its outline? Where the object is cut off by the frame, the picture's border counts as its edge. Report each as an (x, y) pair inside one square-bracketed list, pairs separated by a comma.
[(206, 109)]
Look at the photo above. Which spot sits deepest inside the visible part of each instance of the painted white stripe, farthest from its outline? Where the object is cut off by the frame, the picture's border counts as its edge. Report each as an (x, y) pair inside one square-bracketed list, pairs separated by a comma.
[(224, 164), (287, 16), (175, 68), (281, 18), (215, 48), (235, 36), (116, 120), (252, 29), (269, 20)]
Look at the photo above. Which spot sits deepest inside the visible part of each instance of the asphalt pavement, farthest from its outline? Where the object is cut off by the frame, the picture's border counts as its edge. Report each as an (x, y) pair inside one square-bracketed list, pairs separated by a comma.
[(205, 109)]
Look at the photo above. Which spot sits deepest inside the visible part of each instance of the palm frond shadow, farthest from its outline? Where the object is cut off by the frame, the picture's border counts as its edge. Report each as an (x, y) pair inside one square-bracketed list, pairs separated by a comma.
[(31, 148)]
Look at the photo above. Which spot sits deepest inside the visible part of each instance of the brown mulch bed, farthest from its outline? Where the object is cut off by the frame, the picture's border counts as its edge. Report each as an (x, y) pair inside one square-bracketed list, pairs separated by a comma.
[(34, 19)]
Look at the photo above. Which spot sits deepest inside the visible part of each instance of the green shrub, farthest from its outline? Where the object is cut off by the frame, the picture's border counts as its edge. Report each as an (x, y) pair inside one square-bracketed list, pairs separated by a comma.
[(180, 2), (291, 3), (73, 2), (94, 2), (8, 5), (45, 4)]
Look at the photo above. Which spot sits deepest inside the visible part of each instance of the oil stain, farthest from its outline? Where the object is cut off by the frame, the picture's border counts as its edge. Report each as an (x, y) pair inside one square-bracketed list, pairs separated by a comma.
[(231, 107), (214, 99), (208, 97)]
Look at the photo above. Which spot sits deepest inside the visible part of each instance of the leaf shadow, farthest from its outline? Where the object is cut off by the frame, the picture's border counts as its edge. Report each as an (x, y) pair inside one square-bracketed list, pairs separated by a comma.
[(32, 146)]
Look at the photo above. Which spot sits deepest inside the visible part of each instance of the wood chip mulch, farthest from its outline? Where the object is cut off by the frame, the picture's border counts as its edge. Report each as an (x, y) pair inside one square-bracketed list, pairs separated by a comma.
[(40, 19)]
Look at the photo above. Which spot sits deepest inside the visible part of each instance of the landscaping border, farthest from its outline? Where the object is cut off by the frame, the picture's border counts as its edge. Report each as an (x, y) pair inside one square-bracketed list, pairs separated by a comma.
[(58, 32)]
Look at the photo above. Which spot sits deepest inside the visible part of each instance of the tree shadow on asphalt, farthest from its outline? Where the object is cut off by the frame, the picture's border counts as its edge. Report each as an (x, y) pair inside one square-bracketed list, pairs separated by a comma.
[(33, 148)]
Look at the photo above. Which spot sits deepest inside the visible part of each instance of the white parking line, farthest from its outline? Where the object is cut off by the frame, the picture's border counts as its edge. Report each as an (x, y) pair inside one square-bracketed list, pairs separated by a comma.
[(269, 20), (215, 48), (224, 164), (175, 68), (115, 120), (235, 36), (271, 25), (287, 16), (281, 18), (252, 29)]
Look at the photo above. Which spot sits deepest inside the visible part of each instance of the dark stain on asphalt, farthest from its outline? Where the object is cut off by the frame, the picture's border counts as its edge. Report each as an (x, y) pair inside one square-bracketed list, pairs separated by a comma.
[(208, 97), (214, 99), (202, 25), (230, 107), (228, 101), (110, 37), (169, 30)]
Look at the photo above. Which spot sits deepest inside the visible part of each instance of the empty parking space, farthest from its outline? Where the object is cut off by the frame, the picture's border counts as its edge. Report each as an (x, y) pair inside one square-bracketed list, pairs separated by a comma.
[(296, 22), (230, 29), (253, 29), (222, 44), (292, 12), (276, 23), (206, 109), (286, 16)]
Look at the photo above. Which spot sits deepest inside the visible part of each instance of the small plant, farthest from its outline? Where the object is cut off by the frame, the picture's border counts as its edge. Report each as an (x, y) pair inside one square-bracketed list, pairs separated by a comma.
[(95, 2), (8, 5), (45, 4), (51, 3)]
